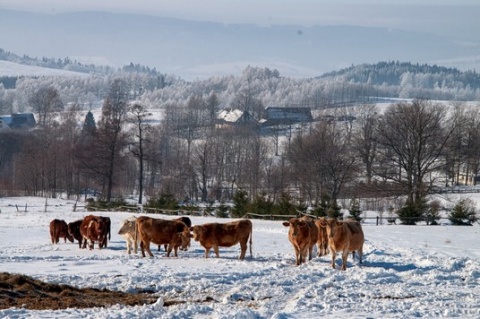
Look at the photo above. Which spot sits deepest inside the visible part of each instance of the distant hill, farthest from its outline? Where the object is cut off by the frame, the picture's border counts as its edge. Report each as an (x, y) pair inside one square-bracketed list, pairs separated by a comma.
[(394, 72), (192, 49)]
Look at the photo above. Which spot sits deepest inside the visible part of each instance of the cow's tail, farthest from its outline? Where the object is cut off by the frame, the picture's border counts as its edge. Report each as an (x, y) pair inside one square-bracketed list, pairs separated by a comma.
[(251, 235), (136, 234)]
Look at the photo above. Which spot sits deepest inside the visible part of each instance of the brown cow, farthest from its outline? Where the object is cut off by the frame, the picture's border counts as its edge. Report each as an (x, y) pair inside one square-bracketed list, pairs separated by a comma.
[(160, 231), (322, 242), (107, 230), (224, 235), (186, 220), (59, 228), (93, 229), (345, 236), (128, 232), (303, 234), (74, 231)]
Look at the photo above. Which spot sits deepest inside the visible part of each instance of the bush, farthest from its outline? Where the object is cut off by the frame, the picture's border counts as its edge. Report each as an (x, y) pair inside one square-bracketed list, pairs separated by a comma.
[(241, 203), (433, 212), (410, 214), (222, 211), (165, 201), (285, 206), (262, 205), (463, 213), (103, 204)]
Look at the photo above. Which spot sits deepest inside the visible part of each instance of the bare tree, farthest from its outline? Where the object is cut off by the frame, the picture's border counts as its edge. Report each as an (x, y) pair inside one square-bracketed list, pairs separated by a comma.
[(364, 139), (104, 155), (137, 146), (44, 101), (411, 139)]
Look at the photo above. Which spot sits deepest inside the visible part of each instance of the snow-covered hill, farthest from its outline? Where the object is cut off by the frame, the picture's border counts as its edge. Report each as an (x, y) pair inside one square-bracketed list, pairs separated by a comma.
[(15, 69)]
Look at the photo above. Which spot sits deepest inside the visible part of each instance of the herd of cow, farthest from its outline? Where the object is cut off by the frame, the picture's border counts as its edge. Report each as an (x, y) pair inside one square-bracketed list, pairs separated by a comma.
[(304, 233)]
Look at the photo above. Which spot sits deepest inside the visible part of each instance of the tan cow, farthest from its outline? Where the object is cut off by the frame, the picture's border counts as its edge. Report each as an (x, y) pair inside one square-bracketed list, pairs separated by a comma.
[(345, 236), (322, 242), (303, 234), (160, 231), (214, 235), (59, 228), (94, 229), (128, 232)]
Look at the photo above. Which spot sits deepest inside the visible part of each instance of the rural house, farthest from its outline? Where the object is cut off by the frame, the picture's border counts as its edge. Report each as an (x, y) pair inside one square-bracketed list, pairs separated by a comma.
[(286, 116), (228, 118)]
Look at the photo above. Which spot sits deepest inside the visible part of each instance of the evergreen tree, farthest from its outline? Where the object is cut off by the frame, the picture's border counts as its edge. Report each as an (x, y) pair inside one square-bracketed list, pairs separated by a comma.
[(285, 205), (89, 128), (262, 205), (355, 210), (334, 210), (241, 203), (321, 209), (463, 213)]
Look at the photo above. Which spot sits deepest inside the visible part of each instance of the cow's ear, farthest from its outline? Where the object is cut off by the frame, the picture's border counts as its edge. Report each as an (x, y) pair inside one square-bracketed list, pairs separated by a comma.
[(286, 224), (190, 228), (302, 223)]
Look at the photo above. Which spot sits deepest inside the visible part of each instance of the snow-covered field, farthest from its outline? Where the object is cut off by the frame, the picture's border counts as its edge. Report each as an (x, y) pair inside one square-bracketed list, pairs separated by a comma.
[(408, 271)]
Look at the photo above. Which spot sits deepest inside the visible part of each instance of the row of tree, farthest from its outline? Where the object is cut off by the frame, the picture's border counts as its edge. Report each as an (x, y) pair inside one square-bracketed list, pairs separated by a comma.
[(404, 152)]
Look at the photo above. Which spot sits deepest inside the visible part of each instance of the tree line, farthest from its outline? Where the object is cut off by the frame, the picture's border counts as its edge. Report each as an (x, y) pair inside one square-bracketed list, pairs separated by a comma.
[(402, 152)]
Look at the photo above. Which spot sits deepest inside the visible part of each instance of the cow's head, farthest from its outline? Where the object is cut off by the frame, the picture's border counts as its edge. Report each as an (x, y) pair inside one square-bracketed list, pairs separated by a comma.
[(197, 232), (128, 226), (333, 226), (295, 225)]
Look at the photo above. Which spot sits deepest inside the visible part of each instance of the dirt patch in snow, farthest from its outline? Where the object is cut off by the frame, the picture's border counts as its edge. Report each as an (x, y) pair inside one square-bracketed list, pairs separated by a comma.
[(21, 291)]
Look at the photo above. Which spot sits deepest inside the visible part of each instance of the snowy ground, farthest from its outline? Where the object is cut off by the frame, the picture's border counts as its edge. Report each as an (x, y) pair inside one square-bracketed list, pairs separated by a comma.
[(408, 271)]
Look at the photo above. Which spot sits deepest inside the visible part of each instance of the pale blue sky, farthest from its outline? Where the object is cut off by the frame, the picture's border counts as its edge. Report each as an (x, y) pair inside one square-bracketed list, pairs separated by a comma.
[(443, 17)]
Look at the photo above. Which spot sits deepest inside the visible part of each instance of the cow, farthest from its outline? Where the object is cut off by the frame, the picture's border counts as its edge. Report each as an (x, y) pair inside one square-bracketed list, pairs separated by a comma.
[(186, 220), (224, 235), (74, 231), (322, 242), (93, 229), (174, 233), (127, 230), (59, 228), (345, 236), (303, 235), (107, 230)]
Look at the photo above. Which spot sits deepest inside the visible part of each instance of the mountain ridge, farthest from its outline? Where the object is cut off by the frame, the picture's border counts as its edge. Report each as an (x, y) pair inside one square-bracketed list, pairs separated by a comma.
[(193, 49)]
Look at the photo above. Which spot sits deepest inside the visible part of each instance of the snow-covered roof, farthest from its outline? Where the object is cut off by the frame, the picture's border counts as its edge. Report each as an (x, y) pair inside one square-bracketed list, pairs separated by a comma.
[(230, 115)]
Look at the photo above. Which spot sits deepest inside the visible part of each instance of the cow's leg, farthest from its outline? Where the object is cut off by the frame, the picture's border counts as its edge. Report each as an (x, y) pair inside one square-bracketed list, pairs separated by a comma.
[(334, 255), (129, 243), (310, 253), (215, 249), (297, 255), (84, 246), (360, 254), (344, 259), (243, 249), (147, 248), (142, 248), (207, 252), (304, 254), (169, 249)]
